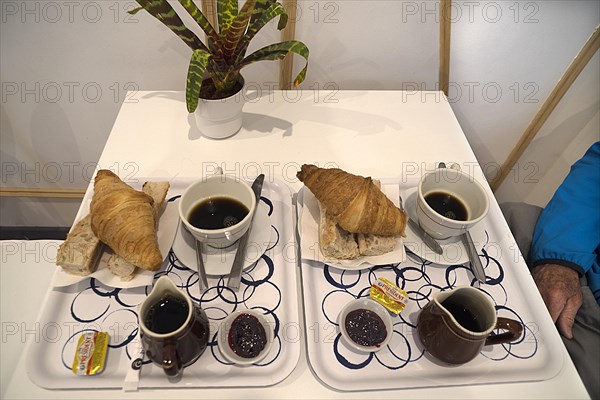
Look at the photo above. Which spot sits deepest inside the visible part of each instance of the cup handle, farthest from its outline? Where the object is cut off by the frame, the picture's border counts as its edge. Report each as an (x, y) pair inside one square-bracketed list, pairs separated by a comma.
[(513, 329), (171, 362)]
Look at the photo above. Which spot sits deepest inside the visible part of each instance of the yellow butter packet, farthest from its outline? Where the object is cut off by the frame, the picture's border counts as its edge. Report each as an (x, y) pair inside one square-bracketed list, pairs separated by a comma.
[(90, 354), (389, 295)]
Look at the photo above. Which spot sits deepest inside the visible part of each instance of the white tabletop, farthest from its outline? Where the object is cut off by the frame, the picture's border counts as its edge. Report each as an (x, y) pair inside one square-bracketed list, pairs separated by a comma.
[(388, 134)]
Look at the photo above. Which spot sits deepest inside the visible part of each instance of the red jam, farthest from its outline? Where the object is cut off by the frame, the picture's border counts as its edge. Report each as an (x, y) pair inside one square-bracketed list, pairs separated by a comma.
[(365, 327), (247, 336)]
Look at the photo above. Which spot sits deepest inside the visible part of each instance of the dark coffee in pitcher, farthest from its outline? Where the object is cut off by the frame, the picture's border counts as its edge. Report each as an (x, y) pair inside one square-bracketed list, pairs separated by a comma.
[(167, 315), (174, 331), (465, 318)]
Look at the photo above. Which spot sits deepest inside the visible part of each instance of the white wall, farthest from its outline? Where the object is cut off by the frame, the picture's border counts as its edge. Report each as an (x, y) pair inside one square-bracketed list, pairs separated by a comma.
[(568, 133), (65, 67), (377, 44), (513, 55)]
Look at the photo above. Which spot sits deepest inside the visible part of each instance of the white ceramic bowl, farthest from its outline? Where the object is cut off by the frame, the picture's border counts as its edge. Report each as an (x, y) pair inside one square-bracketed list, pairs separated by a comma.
[(217, 186), (371, 305), (461, 185), (223, 342)]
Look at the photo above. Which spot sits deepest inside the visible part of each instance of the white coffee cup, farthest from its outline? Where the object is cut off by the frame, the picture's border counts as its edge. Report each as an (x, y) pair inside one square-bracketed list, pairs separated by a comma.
[(461, 187), (214, 187)]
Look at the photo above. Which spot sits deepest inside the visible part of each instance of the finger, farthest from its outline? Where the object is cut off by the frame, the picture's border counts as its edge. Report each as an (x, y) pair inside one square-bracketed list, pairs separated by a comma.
[(555, 305), (565, 326), (567, 317)]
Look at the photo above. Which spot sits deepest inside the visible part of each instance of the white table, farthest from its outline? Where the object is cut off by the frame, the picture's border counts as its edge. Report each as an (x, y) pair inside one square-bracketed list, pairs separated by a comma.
[(389, 134)]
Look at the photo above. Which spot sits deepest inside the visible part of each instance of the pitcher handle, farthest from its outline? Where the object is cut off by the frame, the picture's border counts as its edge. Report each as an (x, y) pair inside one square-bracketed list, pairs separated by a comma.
[(513, 329), (171, 362)]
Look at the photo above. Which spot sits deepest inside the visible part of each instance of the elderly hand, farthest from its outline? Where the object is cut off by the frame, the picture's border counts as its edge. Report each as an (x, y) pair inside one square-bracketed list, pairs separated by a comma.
[(561, 291)]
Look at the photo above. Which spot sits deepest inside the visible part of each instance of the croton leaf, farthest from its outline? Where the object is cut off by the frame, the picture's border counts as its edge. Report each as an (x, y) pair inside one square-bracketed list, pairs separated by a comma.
[(195, 74), (135, 10), (162, 10), (227, 10), (201, 19), (237, 30), (260, 7), (264, 15), (278, 51)]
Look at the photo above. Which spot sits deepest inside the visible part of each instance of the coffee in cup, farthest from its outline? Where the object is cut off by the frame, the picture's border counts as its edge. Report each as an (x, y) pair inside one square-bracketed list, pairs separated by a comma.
[(450, 202), (217, 210), (457, 324)]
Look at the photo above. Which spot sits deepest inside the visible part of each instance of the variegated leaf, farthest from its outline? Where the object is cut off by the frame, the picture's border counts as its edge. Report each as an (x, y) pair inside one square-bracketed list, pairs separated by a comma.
[(162, 10), (135, 10), (273, 10), (260, 7), (237, 30), (200, 18), (227, 10), (278, 51), (195, 75)]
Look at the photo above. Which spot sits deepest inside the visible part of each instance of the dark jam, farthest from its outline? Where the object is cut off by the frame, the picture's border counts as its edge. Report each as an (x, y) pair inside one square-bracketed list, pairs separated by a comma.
[(365, 327), (247, 336)]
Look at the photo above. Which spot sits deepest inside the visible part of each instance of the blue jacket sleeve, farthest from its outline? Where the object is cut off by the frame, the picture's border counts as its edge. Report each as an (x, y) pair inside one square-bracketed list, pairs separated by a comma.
[(568, 230)]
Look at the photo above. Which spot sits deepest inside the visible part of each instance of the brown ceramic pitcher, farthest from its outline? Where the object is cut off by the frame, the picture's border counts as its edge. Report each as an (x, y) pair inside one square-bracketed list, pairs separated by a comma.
[(457, 323), (174, 330)]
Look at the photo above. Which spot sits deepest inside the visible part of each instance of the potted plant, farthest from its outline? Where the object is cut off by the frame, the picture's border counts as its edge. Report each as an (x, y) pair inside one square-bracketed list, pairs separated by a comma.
[(214, 76)]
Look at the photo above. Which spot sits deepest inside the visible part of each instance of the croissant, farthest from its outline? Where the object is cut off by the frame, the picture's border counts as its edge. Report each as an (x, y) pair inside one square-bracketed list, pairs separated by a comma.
[(124, 219), (356, 204)]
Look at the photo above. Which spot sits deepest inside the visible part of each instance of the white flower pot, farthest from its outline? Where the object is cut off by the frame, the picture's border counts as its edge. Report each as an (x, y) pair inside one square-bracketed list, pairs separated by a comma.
[(219, 119)]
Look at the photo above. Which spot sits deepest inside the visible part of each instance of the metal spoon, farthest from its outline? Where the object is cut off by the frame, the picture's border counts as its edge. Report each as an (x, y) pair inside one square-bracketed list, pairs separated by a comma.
[(475, 262)]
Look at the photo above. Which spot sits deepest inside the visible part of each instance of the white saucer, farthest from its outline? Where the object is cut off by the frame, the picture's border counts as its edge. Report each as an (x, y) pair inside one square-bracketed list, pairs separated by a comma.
[(454, 251), (219, 261)]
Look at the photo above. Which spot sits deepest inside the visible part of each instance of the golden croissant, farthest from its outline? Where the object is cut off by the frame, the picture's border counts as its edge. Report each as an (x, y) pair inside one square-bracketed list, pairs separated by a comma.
[(124, 219), (356, 204)]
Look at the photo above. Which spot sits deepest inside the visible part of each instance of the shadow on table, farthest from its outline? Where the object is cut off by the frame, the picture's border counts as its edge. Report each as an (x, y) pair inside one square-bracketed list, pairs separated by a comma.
[(254, 124), (257, 124)]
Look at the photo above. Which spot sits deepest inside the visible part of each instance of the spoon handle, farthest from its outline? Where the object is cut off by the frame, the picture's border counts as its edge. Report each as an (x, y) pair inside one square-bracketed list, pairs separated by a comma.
[(235, 276), (427, 239), (476, 265)]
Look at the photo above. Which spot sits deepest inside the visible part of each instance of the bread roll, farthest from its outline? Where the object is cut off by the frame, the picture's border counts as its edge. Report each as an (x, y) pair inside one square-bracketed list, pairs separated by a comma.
[(79, 253), (335, 242), (121, 267), (374, 245)]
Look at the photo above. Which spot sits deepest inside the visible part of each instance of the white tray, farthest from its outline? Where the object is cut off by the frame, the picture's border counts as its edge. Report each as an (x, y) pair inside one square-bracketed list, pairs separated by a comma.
[(269, 286), (403, 363)]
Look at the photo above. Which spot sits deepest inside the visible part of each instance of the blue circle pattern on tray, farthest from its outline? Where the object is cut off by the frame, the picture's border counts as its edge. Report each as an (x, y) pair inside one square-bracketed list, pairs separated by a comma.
[(218, 301), (413, 273)]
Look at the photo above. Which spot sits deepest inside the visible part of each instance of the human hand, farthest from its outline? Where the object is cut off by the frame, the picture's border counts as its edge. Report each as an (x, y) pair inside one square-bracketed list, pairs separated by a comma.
[(561, 291)]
